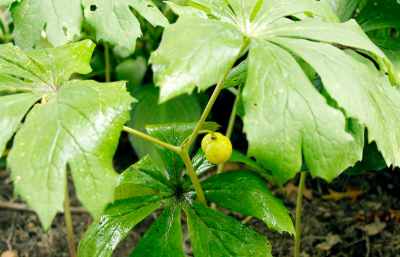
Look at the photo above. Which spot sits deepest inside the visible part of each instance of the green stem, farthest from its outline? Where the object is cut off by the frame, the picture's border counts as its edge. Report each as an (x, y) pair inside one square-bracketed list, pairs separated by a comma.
[(193, 177), (212, 100), (68, 224), (107, 62), (151, 139), (299, 210), (231, 124)]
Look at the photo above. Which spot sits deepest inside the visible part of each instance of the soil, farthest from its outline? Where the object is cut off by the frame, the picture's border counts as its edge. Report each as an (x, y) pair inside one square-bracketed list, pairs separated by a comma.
[(362, 222)]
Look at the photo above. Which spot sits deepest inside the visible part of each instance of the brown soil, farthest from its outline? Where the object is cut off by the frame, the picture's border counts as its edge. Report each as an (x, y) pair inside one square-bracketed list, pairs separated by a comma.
[(366, 227)]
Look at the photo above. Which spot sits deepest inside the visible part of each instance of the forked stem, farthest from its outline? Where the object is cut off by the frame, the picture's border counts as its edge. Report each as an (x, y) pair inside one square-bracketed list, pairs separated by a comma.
[(299, 211), (68, 224), (151, 139)]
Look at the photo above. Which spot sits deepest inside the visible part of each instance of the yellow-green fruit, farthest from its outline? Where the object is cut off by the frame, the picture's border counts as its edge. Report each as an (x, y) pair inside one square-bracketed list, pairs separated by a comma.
[(217, 148)]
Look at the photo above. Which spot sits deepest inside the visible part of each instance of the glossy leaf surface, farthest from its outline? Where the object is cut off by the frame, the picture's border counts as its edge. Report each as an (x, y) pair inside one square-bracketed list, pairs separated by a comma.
[(164, 238), (248, 194), (119, 218), (214, 234), (290, 121)]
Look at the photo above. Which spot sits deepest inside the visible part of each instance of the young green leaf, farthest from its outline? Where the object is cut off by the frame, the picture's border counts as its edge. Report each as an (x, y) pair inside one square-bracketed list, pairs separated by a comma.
[(214, 234), (164, 238), (102, 237), (114, 21), (253, 198)]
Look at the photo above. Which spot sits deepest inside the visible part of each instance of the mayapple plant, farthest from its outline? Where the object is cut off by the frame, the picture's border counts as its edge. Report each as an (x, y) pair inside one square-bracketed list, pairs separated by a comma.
[(309, 83)]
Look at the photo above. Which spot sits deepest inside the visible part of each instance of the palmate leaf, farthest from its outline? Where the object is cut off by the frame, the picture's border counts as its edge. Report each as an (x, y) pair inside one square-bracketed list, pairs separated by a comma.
[(40, 23), (288, 122), (77, 123), (144, 187)]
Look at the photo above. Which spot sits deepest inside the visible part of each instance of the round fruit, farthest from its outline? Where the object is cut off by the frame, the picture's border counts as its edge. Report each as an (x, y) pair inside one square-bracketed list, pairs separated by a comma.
[(217, 147)]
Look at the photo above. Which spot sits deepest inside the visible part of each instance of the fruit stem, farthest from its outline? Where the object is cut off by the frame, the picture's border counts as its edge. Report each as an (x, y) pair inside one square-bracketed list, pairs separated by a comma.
[(299, 210), (231, 124), (212, 100), (68, 223), (193, 176), (151, 139), (107, 66)]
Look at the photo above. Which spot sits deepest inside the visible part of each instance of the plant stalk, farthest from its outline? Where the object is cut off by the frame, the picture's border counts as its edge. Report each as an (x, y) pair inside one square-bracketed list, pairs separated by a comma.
[(231, 124), (212, 100), (107, 66), (68, 224), (151, 139), (299, 211), (193, 177)]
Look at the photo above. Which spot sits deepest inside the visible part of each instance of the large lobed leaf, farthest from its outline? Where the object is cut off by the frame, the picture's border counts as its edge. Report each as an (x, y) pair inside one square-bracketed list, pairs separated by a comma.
[(77, 123), (40, 23), (289, 123)]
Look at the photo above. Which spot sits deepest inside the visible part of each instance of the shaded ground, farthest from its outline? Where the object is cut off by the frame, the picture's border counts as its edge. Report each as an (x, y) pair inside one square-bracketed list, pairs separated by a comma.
[(364, 222)]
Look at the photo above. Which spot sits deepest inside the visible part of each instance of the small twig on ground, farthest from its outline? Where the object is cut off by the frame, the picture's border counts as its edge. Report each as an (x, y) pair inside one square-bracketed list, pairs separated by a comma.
[(24, 207)]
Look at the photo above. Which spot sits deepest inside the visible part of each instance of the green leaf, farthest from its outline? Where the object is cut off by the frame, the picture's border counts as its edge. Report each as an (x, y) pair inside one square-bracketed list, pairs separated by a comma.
[(200, 163), (12, 110), (237, 76), (114, 21), (149, 112), (102, 237), (379, 14), (82, 123), (207, 50), (6, 2), (133, 71), (164, 239), (214, 234), (360, 89), (289, 120), (344, 9), (251, 164), (55, 21), (43, 70), (253, 198), (347, 34), (141, 179), (175, 134)]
